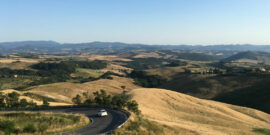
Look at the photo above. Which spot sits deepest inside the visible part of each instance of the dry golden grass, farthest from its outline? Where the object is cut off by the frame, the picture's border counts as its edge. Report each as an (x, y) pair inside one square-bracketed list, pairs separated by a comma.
[(34, 100), (17, 63), (191, 115), (148, 55), (11, 60), (108, 58), (65, 91), (118, 69)]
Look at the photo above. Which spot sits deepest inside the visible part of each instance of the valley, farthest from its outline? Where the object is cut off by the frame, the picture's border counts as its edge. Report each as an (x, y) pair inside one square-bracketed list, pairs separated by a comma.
[(177, 91)]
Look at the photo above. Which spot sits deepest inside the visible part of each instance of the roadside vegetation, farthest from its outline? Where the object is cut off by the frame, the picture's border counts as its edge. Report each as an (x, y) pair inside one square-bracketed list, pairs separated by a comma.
[(138, 125), (40, 123), (101, 98)]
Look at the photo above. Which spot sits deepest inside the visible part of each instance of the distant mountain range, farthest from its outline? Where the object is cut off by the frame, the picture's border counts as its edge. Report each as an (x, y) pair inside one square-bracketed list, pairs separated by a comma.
[(51, 47)]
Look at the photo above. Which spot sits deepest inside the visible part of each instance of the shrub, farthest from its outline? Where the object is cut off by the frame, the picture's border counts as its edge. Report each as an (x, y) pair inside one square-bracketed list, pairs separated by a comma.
[(88, 101), (45, 103), (7, 126), (77, 99), (13, 99), (23, 103), (30, 128), (42, 127), (133, 106)]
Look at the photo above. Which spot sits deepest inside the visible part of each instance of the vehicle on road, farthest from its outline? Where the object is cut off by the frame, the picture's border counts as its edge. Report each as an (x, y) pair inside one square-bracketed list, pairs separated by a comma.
[(102, 113)]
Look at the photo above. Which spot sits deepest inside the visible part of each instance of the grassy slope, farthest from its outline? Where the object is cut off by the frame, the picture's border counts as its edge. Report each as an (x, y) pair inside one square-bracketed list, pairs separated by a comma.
[(86, 73), (57, 122), (137, 125), (66, 91), (249, 90), (255, 96), (198, 116), (209, 86), (38, 101)]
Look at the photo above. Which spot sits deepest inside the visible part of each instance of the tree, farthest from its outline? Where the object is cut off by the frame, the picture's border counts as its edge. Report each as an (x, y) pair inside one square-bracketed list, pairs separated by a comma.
[(133, 106), (86, 95), (30, 128), (13, 99), (45, 103), (32, 104), (23, 103), (123, 87), (120, 100), (102, 98), (97, 99), (77, 100), (2, 100), (88, 101)]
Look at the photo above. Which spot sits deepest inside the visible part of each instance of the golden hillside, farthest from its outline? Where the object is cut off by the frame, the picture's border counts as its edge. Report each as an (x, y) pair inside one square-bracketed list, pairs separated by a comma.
[(65, 91), (196, 116), (39, 102)]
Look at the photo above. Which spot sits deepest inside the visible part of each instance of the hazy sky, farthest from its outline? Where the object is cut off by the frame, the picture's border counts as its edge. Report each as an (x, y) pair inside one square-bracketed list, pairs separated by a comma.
[(137, 21)]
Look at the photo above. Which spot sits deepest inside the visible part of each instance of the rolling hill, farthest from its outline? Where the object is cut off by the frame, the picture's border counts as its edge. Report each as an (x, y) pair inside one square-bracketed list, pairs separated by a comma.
[(250, 90), (193, 116), (51, 47), (65, 91), (249, 56)]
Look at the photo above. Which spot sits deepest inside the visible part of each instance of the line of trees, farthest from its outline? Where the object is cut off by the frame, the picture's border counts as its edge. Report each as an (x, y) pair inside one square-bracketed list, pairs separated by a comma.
[(103, 99), (143, 79)]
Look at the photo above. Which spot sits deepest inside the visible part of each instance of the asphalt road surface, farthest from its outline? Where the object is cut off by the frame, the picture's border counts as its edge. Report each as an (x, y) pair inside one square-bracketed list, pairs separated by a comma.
[(98, 125)]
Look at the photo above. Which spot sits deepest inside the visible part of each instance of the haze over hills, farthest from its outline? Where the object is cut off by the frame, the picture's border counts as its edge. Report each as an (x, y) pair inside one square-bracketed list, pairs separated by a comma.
[(51, 47)]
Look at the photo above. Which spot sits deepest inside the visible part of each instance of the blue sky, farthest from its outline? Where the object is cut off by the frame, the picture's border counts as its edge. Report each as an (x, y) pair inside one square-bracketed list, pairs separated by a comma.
[(205, 22)]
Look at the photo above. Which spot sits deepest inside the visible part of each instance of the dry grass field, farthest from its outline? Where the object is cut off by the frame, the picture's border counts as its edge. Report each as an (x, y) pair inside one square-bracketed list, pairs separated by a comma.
[(148, 55), (39, 102), (108, 58), (190, 115), (65, 91), (11, 60), (115, 68), (17, 63)]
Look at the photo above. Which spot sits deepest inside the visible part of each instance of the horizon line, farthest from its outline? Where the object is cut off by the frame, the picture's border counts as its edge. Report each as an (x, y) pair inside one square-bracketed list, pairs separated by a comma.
[(128, 43)]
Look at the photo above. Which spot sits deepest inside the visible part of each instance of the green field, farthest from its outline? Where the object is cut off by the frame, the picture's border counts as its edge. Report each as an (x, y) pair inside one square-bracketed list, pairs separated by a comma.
[(19, 82), (86, 73)]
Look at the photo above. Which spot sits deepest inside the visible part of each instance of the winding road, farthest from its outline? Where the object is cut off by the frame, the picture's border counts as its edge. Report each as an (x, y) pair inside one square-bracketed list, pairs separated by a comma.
[(98, 125)]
